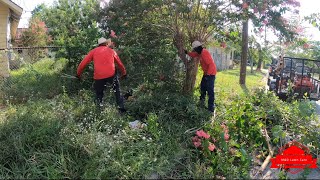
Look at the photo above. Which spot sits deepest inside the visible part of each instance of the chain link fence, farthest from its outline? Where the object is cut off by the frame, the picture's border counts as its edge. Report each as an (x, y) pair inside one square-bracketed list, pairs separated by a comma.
[(28, 73), (14, 59), (17, 56)]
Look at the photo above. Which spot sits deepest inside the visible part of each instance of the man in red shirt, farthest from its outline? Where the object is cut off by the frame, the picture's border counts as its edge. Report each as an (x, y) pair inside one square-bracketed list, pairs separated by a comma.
[(209, 73), (104, 59)]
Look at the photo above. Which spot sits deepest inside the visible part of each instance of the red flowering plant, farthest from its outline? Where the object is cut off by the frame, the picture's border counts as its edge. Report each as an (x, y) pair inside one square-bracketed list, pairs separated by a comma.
[(208, 144)]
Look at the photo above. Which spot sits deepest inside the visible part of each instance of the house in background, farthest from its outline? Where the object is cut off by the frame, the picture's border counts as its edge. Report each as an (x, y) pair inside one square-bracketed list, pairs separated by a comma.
[(17, 39), (10, 14), (223, 59)]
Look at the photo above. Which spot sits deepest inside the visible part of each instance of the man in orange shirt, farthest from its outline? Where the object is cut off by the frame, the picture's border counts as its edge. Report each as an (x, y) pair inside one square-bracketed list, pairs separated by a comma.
[(104, 59), (209, 73)]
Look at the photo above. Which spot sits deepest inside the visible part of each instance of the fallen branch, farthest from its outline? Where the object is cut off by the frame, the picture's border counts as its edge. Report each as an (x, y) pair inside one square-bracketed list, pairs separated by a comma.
[(271, 150), (265, 163), (267, 137)]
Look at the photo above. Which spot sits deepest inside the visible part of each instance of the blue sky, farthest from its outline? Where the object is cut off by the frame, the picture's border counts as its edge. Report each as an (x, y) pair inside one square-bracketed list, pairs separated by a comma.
[(307, 7)]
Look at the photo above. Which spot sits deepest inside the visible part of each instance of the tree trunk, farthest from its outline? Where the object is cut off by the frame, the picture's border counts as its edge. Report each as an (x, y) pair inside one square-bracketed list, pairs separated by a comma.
[(191, 66), (244, 53), (191, 75), (191, 71), (260, 59)]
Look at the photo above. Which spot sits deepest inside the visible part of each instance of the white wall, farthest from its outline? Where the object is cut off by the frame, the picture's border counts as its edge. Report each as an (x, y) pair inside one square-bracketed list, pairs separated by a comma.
[(222, 58)]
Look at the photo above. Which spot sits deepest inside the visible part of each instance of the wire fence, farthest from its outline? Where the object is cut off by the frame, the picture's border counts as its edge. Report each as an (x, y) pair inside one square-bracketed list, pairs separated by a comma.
[(15, 58)]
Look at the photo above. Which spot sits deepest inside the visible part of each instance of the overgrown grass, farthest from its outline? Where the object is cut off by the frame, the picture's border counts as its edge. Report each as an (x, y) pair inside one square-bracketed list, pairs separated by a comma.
[(40, 80), (66, 136)]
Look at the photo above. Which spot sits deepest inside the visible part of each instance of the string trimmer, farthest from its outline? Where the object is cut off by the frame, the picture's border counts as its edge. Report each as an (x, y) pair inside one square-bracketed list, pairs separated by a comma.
[(68, 76), (125, 96)]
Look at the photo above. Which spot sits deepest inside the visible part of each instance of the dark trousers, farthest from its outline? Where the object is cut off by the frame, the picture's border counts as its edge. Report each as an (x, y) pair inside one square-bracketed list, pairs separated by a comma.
[(207, 86), (100, 86)]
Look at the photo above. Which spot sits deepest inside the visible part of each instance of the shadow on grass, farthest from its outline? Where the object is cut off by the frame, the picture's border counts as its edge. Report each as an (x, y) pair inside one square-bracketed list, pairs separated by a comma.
[(237, 73)]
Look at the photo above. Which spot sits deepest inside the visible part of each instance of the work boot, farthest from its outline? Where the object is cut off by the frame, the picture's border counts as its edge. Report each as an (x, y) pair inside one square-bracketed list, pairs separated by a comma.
[(122, 110)]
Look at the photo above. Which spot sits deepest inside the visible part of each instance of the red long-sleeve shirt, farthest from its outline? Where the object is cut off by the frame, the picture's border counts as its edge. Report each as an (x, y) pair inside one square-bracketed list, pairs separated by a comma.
[(104, 59), (206, 62)]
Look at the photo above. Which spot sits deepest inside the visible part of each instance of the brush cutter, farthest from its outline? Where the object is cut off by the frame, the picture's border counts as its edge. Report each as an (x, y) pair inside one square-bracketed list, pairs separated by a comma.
[(125, 96)]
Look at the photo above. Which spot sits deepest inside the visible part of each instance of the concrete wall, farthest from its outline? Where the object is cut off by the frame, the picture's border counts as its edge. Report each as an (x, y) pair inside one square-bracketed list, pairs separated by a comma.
[(4, 63)]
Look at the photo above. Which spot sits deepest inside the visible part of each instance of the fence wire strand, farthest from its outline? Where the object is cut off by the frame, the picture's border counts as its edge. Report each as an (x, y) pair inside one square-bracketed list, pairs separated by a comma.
[(13, 59)]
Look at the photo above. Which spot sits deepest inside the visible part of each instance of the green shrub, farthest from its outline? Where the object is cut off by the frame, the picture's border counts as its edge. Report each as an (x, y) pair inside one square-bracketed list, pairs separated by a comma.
[(246, 117)]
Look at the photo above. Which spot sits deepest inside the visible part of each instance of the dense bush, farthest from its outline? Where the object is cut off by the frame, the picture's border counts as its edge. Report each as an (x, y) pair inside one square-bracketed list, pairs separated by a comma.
[(146, 56), (246, 117)]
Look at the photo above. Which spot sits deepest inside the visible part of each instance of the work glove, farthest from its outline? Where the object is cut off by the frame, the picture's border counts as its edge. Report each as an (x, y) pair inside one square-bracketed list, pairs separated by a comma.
[(185, 51), (123, 77)]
